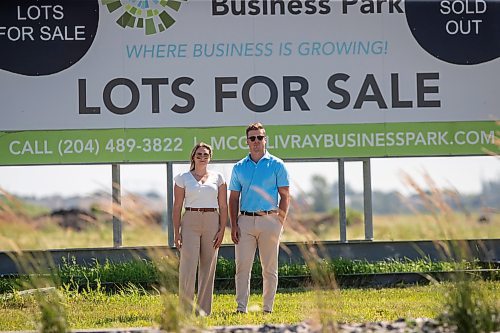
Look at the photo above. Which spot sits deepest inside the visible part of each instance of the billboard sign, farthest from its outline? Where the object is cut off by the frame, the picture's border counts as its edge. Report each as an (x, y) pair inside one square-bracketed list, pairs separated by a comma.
[(87, 81)]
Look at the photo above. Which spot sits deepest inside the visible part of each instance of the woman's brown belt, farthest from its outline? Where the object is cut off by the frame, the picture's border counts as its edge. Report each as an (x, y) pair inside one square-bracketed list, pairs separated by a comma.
[(201, 209)]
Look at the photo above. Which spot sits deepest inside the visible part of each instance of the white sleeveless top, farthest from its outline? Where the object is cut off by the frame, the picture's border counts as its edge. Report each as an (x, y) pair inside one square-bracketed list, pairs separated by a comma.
[(198, 195)]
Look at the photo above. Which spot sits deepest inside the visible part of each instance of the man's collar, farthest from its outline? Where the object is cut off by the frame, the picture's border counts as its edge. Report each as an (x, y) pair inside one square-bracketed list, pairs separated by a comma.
[(266, 156)]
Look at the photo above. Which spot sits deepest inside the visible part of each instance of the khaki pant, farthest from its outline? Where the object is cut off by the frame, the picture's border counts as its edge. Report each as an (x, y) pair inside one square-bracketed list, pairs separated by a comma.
[(263, 232), (198, 230)]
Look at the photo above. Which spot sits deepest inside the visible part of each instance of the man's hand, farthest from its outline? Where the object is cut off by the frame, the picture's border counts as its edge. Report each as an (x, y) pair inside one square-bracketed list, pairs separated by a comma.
[(235, 234), (282, 219)]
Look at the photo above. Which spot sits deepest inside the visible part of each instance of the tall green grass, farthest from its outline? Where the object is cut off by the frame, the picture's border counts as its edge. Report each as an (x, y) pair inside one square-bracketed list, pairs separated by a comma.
[(148, 273)]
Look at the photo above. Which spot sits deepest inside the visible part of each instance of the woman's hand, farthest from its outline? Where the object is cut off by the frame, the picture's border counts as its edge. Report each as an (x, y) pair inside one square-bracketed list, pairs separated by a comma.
[(218, 238), (178, 240)]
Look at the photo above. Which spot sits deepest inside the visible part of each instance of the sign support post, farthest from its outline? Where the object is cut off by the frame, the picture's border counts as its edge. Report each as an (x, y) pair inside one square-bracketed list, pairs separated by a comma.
[(367, 199), (116, 205), (170, 204), (342, 209)]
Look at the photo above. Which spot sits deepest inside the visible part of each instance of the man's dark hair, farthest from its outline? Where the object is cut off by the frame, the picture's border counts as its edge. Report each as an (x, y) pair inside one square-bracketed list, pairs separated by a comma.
[(255, 126)]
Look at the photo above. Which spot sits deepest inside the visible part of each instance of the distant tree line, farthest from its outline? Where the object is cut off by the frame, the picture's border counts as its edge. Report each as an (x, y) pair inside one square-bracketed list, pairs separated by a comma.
[(324, 196)]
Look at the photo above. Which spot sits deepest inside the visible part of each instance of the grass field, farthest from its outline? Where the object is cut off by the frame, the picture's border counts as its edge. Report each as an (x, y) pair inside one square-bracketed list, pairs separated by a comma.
[(133, 308)]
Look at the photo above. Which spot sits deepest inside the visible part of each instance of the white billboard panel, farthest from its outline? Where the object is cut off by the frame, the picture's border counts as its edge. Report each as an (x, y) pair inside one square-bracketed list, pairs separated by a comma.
[(89, 65)]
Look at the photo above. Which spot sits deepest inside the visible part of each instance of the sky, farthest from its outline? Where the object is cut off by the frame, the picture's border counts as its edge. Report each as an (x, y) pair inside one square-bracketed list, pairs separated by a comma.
[(465, 174)]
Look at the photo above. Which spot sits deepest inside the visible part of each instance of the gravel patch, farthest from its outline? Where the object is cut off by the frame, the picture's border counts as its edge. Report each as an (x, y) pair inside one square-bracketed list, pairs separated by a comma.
[(420, 325)]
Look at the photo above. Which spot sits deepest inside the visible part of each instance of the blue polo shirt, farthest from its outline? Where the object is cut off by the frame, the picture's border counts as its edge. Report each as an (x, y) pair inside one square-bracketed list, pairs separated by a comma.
[(258, 182)]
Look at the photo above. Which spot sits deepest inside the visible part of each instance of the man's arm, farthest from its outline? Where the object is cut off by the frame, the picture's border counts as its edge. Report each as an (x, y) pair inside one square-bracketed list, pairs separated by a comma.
[(284, 192), (234, 206)]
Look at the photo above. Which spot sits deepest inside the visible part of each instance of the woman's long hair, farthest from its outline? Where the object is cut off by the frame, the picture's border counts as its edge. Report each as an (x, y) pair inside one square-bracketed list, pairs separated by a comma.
[(195, 148)]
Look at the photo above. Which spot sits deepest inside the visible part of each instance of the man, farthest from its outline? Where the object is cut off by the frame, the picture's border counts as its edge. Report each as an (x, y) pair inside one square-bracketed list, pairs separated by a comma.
[(258, 220)]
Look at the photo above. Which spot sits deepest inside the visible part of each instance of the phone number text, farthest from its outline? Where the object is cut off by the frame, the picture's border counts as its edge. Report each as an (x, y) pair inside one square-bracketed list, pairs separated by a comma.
[(95, 146)]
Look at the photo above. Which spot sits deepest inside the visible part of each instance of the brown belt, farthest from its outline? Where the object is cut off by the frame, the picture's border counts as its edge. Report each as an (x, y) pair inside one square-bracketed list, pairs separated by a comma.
[(259, 213), (201, 209)]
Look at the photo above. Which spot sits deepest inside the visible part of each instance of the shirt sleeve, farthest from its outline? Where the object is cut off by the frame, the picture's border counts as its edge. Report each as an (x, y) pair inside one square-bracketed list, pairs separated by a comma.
[(282, 176), (220, 179), (179, 180), (234, 184)]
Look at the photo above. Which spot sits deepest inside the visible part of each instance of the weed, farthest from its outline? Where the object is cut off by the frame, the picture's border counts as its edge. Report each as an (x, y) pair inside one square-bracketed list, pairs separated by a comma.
[(466, 307), (53, 314), (470, 310)]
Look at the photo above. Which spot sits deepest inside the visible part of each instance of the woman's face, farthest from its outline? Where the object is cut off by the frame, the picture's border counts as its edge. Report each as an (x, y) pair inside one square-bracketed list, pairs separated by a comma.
[(202, 156)]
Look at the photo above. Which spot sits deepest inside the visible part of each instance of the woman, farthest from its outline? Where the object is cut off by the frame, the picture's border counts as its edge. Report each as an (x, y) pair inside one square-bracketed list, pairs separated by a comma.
[(200, 232)]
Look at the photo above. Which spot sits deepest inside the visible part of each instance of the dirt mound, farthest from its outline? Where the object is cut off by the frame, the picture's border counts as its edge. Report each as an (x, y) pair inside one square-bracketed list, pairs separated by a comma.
[(75, 219)]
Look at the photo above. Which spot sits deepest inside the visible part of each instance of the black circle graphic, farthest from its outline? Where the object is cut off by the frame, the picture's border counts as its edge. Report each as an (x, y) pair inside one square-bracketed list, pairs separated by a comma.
[(45, 37), (463, 32)]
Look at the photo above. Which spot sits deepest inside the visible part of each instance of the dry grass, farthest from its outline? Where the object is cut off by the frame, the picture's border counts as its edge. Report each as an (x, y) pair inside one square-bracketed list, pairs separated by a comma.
[(411, 227), (391, 227), (50, 236), (139, 227), (414, 227)]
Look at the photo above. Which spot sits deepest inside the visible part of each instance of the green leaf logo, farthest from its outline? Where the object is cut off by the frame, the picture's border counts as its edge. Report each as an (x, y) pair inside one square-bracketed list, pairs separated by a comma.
[(151, 15)]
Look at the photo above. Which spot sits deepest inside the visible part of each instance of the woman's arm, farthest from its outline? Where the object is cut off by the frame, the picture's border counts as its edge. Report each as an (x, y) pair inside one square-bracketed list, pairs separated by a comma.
[(222, 199), (176, 215)]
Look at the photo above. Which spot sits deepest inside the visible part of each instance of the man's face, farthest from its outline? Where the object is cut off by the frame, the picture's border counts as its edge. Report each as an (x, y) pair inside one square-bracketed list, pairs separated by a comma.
[(256, 140)]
